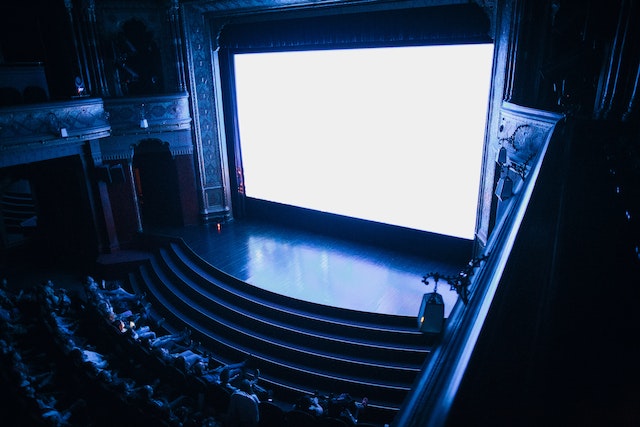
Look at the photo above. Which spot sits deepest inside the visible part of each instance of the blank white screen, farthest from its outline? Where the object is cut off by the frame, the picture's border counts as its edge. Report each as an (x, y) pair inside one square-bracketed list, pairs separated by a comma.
[(391, 135)]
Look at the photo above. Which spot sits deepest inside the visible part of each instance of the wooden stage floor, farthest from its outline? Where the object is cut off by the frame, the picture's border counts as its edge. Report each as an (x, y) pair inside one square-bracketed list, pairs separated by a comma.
[(317, 268)]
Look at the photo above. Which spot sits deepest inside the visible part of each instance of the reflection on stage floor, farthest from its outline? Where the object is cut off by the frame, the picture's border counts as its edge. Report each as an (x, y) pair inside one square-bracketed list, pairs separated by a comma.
[(317, 268)]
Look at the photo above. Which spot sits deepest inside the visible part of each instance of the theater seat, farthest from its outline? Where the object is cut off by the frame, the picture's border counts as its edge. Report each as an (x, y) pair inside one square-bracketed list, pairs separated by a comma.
[(296, 418), (271, 415), (332, 422)]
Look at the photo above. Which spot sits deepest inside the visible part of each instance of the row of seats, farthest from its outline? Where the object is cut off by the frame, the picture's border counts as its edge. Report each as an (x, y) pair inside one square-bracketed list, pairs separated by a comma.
[(10, 96), (83, 338)]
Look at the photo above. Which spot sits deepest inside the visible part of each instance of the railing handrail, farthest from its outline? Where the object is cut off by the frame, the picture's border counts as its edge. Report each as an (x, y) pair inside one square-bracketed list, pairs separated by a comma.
[(435, 388)]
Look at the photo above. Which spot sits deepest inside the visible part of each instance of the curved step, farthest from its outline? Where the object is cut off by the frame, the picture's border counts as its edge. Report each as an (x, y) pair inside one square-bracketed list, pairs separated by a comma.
[(280, 375), (297, 328), (197, 263), (211, 320), (299, 346)]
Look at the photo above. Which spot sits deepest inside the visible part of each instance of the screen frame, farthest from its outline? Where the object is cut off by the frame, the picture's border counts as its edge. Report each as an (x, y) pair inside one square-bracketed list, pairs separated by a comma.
[(472, 28), (422, 131)]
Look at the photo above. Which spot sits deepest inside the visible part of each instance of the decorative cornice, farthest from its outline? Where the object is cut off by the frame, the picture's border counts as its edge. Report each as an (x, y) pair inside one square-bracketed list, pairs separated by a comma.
[(244, 7), (163, 113)]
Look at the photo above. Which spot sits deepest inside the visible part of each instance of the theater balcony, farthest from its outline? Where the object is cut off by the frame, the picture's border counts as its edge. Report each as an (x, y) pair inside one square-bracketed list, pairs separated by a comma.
[(165, 117), (42, 131)]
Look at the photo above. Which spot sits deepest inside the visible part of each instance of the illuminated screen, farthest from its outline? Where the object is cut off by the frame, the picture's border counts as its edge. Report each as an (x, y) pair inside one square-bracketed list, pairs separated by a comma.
[(391, 135)]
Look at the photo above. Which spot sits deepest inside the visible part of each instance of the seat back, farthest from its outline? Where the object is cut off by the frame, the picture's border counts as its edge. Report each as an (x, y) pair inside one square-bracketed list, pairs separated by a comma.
[(297, 418), (271, 415)]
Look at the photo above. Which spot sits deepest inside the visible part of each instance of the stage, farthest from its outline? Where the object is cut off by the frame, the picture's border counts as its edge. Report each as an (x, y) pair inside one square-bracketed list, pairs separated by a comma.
[(318, 268)]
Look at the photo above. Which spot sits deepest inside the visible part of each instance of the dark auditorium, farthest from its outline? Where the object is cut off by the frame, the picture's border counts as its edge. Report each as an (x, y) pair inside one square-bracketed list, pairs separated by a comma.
[(320, 213)]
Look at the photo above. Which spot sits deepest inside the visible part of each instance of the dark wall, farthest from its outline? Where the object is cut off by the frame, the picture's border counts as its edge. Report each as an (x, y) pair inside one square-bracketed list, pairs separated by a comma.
[(65, 233), (40, 31)]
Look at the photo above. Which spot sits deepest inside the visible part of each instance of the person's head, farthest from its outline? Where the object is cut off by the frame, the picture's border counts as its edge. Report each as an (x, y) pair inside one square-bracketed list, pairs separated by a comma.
[(304, 402), (245, 385), (199, 367)]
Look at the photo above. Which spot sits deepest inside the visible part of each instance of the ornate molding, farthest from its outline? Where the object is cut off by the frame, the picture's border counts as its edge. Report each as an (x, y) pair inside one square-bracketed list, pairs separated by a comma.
[(522, 130), (240, 7), (163, 113), (121, 147), (521, 135), (208, 128), (30, 128)]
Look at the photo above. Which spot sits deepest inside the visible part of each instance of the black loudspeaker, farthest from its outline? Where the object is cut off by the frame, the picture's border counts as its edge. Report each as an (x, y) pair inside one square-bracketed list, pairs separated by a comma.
[(431, 315)]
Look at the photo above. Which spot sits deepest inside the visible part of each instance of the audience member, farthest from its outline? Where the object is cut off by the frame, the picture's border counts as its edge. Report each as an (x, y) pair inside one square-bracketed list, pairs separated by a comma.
[(346, 407), (311, 404), (243, 406)]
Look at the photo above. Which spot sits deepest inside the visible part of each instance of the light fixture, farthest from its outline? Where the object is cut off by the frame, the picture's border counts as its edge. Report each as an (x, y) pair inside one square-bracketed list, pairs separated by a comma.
[(431, 315), (143, 120), (504, 189), (502, 156), (79, 85)]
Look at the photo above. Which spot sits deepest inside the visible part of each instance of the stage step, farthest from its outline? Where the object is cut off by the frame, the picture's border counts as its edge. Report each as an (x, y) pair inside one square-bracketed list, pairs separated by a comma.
[(300, 347)]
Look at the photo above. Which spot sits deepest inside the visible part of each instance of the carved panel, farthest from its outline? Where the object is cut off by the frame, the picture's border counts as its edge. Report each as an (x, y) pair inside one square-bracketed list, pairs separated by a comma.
[(163, 117), (162, 113), (206, 126), (523, 131)]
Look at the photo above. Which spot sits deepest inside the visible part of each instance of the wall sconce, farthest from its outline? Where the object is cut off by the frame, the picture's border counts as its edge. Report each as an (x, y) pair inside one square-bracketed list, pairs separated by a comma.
[(79, 85), (504, 189), (431, 315), (143, 120), (501, 159)]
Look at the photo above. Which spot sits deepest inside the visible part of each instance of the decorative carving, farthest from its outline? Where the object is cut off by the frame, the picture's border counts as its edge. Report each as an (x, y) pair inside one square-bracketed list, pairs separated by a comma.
[(26, 124), (163, 113), (167, 118), (460, 282), (511, 139), (206, 127)]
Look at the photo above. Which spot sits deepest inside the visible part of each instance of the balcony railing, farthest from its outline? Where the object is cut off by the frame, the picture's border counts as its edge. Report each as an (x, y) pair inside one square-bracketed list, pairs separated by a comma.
[(48, 130), (435, 388)]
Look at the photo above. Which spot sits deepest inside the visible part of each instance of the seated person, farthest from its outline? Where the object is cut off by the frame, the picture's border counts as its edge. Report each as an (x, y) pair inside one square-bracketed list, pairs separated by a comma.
[(187, 358), (311, 404), (243, 407), (232, 376), (94, 360), (143, 333), (171, 341), (346, 407)]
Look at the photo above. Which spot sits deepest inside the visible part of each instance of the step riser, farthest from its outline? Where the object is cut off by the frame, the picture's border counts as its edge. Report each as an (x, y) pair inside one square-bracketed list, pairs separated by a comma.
[(251, 316)]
